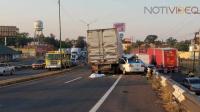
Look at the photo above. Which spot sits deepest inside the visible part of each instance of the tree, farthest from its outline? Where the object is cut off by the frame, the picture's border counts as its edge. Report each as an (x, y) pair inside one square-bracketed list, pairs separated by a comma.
[(183, 45), (81, 42), (150, 39), (158, 43), (138, 43), (21, 39), (171, 41), (52, 41)]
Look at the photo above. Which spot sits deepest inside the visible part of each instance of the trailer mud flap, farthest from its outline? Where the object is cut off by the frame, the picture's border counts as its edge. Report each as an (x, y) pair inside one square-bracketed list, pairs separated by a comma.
[(101, 68)]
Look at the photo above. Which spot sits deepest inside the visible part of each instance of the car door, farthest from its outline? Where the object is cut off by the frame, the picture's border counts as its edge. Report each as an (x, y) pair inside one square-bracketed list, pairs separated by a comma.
[(137, 66)]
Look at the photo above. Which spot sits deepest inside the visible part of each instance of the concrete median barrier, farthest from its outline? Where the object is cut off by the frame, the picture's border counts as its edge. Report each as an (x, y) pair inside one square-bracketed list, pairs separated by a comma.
[(33, 77), (181, 98), (21, 67)]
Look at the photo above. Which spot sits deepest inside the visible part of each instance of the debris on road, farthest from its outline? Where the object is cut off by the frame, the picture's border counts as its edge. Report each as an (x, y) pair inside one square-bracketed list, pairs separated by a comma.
[(94, 75)]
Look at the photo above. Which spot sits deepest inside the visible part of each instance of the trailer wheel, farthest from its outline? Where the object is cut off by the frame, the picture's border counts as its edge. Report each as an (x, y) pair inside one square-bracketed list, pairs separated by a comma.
[(118, 70)]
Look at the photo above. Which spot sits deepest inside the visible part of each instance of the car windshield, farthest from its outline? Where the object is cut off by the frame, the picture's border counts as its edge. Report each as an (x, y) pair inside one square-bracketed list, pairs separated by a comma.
[(2, 65), (195, 81), (133, 60)]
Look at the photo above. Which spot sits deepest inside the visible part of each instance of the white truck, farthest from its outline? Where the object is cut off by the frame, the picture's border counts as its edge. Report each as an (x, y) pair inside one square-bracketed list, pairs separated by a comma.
[(104, 50), (6, 69)]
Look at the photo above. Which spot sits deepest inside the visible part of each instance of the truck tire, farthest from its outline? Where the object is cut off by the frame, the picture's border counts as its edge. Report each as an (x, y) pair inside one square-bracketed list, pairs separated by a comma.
[(118, 70)]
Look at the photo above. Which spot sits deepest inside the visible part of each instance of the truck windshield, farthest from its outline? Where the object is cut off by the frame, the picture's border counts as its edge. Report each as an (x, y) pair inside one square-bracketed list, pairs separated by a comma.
[(53, 56)]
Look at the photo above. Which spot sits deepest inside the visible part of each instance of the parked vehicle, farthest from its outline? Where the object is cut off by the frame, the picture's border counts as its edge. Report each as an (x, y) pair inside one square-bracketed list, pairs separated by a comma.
[(39, 64), (132, 64), (104, 50), (57, 60), (165, 59), (193, 84), (6, 69)]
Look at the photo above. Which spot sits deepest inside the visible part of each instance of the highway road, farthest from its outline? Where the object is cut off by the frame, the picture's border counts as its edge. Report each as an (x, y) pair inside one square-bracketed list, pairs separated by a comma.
[(74, 91), (20, 73)]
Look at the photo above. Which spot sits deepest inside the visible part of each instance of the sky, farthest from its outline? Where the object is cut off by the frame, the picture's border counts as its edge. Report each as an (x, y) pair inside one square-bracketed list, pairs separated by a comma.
[(101, 14)]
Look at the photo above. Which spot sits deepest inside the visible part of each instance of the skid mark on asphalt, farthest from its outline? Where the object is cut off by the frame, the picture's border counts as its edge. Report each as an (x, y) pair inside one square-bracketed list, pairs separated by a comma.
[(78, 78), (105, 96)]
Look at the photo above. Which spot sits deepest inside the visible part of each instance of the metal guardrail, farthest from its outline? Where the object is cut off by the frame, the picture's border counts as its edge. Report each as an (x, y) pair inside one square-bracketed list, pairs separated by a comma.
[(187, 100)]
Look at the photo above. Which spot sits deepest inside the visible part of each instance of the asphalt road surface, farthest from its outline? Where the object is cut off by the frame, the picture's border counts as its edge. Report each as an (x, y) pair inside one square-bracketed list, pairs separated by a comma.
[(28, 61), (21, 73), (75, 92)]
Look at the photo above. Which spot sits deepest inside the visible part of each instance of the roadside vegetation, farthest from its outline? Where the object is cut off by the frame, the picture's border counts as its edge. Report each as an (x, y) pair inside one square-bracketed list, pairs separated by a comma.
[(23, 39), (168, 100), (154, 41)]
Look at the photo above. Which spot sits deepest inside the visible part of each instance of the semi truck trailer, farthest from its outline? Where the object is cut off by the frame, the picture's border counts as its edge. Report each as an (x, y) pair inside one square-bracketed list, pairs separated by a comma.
[(165, 59), (104, 50)]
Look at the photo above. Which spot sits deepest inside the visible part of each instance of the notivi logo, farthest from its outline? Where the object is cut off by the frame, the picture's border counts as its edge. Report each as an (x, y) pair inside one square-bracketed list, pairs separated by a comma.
[(172, 10)]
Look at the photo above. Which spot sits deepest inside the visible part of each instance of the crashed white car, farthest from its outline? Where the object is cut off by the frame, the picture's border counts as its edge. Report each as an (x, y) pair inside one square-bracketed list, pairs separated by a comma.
[(128, 65)]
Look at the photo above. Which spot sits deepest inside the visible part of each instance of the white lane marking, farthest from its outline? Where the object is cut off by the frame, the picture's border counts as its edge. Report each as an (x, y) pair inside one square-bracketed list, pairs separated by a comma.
[(105, 96), (73, 80)]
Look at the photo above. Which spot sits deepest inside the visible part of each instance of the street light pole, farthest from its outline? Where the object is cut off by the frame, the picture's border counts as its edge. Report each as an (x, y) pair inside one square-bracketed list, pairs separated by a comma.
[(60, 34), (88, 26), (59, 23)]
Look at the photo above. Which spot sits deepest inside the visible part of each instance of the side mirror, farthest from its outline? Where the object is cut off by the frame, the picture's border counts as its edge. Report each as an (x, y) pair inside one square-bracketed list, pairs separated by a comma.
[(122, 61)]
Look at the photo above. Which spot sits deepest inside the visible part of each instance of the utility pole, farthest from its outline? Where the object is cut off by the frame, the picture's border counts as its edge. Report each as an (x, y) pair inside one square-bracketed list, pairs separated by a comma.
[(60, 25), (60, 34), (88, 26), (198, 69)]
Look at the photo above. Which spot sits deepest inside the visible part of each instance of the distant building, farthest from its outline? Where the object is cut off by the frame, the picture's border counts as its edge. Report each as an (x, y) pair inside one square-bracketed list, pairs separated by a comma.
[(194, 48), (33, 50), (126, 44), (8, 54)]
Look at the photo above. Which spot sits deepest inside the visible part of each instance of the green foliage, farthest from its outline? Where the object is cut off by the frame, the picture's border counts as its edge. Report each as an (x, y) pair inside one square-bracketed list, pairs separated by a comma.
[(21, 40), (171, 41), (51, 41), (56, 43), (150, 39), (80, 42), (183, 45), (138, 43)]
